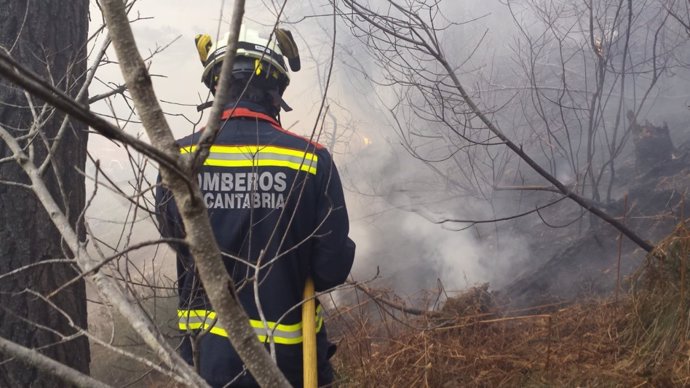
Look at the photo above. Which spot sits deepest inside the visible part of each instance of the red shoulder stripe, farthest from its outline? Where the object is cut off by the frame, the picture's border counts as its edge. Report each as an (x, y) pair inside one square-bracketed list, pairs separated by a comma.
[(283, 130), (244, 112)]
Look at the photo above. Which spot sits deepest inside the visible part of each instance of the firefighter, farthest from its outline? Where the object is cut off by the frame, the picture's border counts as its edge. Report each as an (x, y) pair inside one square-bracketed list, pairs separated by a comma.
[(276, 205)]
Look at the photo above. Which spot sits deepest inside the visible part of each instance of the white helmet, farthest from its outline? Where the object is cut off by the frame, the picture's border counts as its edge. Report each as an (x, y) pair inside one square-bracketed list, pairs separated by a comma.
[(257, 57)]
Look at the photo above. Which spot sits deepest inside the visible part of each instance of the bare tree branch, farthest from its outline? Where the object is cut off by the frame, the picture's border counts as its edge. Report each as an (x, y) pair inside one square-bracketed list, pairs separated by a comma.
[(48, 365), (202, 245), (108, 286), (410, 34), (13, 71)]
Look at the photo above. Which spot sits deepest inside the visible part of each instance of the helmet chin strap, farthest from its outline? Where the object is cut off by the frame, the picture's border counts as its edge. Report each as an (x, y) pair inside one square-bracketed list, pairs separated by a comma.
[(277, 102), (284, 105), (204, 105)]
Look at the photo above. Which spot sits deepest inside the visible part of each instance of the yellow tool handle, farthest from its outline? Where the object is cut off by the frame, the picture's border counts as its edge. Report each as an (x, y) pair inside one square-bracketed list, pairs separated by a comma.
[(309, 336)]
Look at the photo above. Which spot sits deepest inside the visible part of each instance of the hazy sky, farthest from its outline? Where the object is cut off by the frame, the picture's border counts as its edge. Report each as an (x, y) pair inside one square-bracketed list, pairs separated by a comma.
[(176, 24)]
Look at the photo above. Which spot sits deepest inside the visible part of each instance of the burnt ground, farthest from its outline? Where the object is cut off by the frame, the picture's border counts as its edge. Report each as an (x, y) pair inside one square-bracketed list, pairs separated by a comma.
[(574, 264)]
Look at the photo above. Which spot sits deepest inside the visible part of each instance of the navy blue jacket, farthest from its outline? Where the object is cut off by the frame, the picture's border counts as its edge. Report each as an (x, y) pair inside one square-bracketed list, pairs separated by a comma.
[(272, 197)]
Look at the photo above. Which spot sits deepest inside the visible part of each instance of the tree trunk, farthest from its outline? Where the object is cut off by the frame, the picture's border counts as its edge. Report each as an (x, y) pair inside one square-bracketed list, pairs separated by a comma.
[(49, 38)]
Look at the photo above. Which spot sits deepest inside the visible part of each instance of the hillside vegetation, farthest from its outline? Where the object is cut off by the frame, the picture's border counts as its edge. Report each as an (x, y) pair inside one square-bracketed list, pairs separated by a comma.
[(638, 338)]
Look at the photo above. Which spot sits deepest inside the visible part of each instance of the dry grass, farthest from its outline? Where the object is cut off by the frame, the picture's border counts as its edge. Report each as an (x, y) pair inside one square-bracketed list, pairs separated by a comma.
[(643, 341), (659, 327), (572, 346)]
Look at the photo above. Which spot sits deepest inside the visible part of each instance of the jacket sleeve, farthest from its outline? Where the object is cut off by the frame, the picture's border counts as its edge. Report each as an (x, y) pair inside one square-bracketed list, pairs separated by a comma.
[(333, 250), (170, 225), (167, 215)]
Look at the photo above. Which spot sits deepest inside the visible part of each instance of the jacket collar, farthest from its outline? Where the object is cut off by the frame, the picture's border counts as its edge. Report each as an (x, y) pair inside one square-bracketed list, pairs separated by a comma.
[(245, 109)]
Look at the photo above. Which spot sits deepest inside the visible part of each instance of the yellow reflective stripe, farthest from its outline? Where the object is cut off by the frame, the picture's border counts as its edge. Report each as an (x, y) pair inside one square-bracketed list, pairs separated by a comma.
[(250, 149), (256, 156), (204, 314), (282, 334), (260, 163), (207, 327)]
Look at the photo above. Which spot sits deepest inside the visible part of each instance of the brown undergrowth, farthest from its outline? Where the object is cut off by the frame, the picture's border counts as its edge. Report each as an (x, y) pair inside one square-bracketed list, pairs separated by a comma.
[(475, 341), (659, 325)]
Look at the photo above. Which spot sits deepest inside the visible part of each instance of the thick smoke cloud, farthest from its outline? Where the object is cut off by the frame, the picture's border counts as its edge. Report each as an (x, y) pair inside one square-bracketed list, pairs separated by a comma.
[(394, 198)]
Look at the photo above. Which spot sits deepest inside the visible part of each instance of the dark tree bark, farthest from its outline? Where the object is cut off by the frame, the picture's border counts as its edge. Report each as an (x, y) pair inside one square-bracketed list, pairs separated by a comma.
[(49, 38)]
